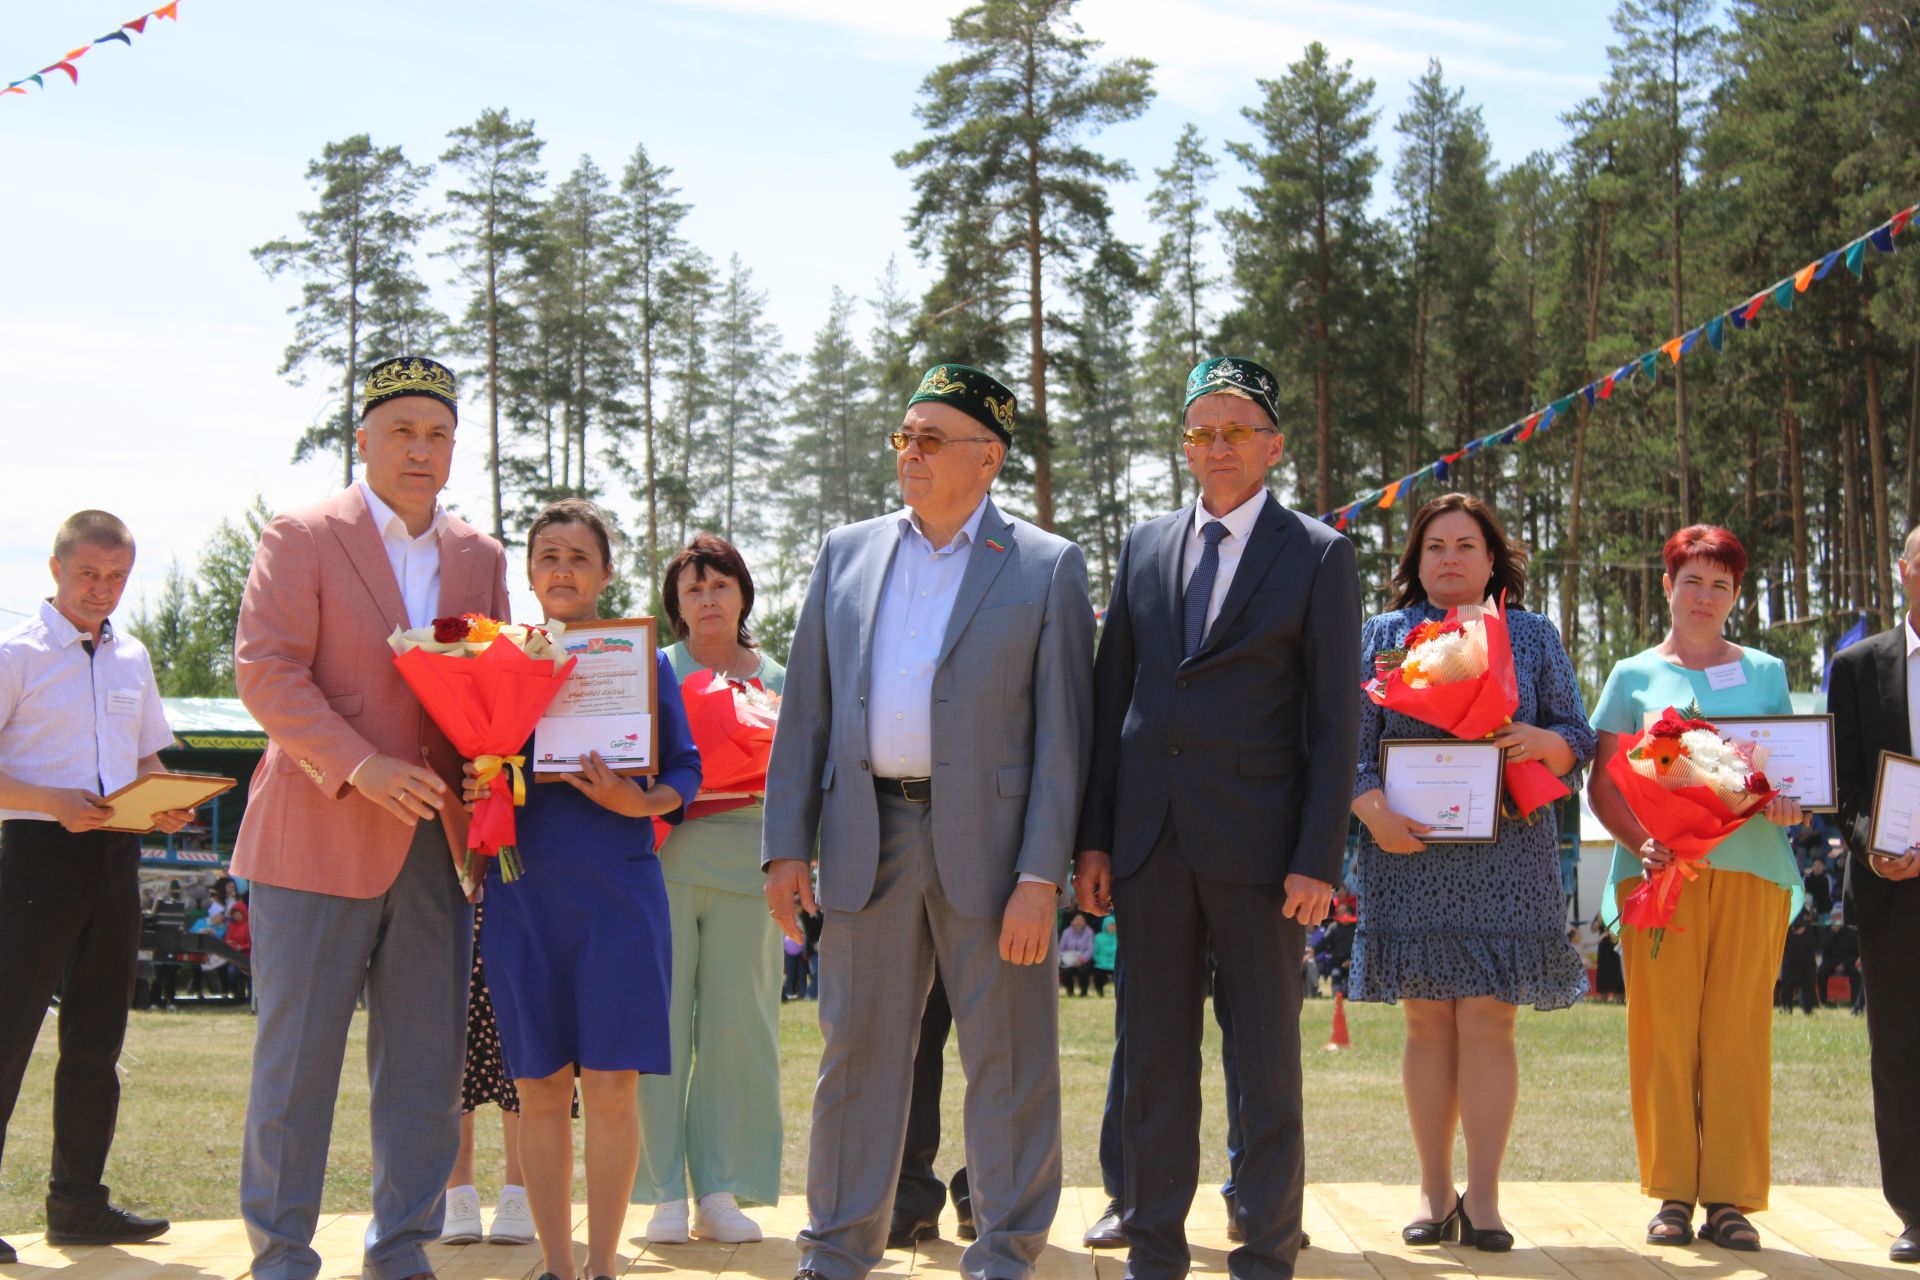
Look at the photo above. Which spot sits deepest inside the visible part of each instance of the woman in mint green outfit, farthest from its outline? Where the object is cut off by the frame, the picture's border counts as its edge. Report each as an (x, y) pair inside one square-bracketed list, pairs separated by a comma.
[(715, 1121), (1700, 1013)]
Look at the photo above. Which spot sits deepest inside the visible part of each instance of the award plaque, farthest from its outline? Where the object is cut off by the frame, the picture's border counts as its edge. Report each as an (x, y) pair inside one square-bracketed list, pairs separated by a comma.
[(610, 704)]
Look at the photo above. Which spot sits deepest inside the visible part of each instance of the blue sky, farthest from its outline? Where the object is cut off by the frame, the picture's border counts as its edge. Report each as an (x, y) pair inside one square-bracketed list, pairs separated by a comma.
[(139, 341)]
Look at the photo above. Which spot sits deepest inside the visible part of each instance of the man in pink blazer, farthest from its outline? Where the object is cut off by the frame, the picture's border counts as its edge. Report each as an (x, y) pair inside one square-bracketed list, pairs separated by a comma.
[(353, 832)]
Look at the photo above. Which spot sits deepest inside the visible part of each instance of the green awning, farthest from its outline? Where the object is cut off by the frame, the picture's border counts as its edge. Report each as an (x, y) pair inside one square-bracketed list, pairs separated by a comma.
[(214, 724)]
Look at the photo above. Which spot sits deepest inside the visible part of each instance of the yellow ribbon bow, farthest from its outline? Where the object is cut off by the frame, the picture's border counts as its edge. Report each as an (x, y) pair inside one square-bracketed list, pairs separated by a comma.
[(487, 768)]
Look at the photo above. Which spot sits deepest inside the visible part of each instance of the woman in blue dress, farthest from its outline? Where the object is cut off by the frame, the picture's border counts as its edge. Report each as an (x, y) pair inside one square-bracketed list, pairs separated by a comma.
[(1461, 935), (578, 950)]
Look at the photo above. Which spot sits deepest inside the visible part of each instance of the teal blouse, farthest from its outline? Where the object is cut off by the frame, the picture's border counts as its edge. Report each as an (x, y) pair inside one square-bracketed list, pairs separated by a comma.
[(722, 850), (1646, 684)]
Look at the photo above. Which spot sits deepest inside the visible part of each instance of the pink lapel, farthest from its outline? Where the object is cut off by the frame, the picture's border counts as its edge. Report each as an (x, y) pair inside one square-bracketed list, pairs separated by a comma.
[(461, 590), (352, 524)]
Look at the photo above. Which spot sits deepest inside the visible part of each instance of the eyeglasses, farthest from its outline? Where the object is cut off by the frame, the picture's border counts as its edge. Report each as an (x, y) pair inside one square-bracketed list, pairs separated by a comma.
[(1202, 437), (931, 445)]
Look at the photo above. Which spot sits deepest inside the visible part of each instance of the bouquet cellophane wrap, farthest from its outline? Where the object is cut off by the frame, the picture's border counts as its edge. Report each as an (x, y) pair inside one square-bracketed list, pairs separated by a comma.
[(1689, 818), (487, 705), (735, 742), (1478, 706)]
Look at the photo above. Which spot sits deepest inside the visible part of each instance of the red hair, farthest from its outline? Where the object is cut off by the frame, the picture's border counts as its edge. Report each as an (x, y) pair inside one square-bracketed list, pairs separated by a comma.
[(1707, 542)]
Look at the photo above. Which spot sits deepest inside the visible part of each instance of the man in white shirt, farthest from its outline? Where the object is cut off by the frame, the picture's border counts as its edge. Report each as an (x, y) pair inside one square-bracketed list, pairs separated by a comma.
[(932, 747), (1874, 695), (80, 718)]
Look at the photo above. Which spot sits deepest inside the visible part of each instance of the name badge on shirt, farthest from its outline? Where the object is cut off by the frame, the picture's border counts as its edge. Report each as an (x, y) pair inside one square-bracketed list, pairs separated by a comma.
[(1728, 675), (123, 702)]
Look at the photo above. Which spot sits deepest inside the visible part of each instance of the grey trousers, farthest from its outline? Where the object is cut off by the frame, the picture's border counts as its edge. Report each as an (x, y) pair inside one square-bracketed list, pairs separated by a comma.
[(877, 967), (412, 949)]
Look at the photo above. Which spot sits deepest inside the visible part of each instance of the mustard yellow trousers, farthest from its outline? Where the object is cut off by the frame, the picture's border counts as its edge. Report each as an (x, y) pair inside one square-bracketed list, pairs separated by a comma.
[(1700, 1040)]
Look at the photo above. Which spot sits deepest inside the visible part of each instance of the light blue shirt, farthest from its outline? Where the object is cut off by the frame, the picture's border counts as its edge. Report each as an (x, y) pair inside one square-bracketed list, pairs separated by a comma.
[(922, 583)]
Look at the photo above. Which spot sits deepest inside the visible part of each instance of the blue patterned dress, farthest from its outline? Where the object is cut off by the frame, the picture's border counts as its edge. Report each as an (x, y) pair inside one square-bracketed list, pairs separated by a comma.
[(1462, 920)]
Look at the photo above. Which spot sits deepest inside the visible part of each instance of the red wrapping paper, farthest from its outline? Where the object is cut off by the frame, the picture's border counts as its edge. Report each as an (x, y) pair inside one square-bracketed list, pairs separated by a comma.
[(733, 754), (1476, 708), (487, 705), (1691, 821)]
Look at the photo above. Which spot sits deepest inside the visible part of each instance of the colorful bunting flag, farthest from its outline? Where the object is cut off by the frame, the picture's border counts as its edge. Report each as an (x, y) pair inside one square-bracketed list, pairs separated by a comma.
[(138, 26), (1742, 315)]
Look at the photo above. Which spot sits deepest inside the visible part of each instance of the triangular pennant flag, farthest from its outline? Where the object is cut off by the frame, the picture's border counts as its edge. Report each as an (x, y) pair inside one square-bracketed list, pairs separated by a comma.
[(1650, 366), (1591, 392), (1758, 301), (1510, 434), (1803, 278), (1739, 316), (138, 26), (1528, 426), (1475, 446), (1857, 258), (168, 11), (12, 88), (1606, 386), (1783, 295), (1717, 333), (1826, 265), (1688, 342), (1900, 220), (73, 54), (1672, 348), (1881, 238), (36, 79), (68, 67), (121, 36), (1441, 470), (1389, 496)]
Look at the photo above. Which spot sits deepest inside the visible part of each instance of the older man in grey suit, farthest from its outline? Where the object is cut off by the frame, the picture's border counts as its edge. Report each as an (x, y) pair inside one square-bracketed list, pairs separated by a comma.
[(934, 740)]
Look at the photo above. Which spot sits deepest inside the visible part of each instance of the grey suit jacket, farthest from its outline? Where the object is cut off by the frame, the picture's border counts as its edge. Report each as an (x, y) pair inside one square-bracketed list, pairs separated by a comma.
[(1012, 717), (1250, 743)]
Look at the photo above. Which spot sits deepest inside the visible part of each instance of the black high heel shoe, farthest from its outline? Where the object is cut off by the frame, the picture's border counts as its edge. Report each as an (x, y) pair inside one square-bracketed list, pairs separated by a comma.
[(1491, 1240), (1427, 1233)]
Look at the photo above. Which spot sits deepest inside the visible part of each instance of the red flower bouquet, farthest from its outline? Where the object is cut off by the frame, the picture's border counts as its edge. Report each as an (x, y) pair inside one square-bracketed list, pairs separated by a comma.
[(732, 724), (1690, 788), (486, 684), (1457, 675)]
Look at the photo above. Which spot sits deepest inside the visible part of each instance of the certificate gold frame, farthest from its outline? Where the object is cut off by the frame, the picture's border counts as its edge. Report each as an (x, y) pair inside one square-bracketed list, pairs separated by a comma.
[(158, 792), (577, 637), (1832, 802), (1496, 757), (1887, 758)]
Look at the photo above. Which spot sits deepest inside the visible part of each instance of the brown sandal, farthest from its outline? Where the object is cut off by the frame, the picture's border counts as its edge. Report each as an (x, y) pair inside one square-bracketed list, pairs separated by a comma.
[(1674, 1214), (1727, 1227)]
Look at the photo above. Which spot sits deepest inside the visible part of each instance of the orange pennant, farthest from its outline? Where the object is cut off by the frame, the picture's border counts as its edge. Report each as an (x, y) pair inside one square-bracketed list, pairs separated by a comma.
[(1804, 277), (1671, 348), (171, 10), (78, 53)]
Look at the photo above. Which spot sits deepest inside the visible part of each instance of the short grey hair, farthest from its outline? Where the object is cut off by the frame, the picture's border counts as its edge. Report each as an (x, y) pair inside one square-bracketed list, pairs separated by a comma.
[(100, 529)]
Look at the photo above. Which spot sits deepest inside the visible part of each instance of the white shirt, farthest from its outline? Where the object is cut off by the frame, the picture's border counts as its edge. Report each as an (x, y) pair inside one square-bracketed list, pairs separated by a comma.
[(1913, 682), (73, 719), (922, 584), (415, 561), (1239, 522)]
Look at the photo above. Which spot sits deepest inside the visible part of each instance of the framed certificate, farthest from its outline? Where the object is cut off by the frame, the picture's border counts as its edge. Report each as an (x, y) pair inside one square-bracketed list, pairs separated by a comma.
[(1450, 785), (1799, 755), (136, 805), (1896, 805), (609, 704)]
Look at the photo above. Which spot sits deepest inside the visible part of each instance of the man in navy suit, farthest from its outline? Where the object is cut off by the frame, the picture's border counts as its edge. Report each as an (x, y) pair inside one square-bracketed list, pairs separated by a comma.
[(1225, 731)]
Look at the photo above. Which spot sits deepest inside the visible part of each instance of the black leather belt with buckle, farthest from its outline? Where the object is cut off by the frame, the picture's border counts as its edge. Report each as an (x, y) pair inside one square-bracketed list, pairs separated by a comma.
[(916, 790)]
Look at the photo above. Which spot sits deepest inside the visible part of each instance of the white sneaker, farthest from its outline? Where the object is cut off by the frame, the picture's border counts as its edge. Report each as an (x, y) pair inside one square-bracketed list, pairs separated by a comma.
[(463, 1217), (512, 1221), (718, 1217), (669, 1223)]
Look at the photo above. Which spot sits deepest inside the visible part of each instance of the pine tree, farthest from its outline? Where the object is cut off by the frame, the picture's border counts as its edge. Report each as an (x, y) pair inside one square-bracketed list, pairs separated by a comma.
[(360, 298), (747, 361), (495, 220), (1004, 121), (587, 361), (1179, 282)]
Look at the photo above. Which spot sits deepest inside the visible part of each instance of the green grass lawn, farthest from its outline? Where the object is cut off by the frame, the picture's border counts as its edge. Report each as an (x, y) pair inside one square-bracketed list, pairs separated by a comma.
[(185, 1088)]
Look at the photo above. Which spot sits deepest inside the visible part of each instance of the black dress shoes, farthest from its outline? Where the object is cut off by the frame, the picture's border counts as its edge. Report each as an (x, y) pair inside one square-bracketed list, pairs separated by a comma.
[(1107, 1233), (1906, 1246), (1485, 1239), (104, 1224), (907, 1229), (962, 1204)]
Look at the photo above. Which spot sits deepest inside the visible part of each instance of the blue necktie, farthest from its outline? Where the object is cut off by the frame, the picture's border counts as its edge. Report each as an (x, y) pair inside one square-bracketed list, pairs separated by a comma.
[(1200, 586)]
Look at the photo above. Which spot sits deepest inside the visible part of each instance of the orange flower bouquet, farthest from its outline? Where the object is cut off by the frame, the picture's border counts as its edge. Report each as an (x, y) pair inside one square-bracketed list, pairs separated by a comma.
[(1691, 788), (486, 684), (1457, 675)]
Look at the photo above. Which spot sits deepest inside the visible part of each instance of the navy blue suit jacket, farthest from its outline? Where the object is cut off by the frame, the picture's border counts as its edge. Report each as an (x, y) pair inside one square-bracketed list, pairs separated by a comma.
[(1249, 745)]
